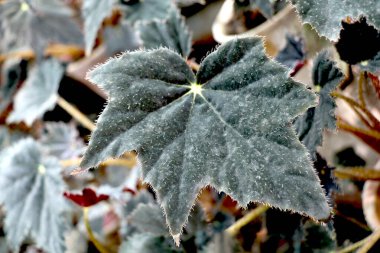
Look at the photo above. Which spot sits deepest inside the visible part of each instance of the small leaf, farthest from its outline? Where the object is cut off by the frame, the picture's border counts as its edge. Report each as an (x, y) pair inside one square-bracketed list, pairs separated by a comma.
[(35, 24), (31, 191), (292, 53), (119, 38), (61, 140), (87, 198), (326, 16), (171, 32), (146, 243), (39, 93), (265, 7), (372, 65), (148, 218), (147, 10), (228, 127), (310, 126), (94, 12)]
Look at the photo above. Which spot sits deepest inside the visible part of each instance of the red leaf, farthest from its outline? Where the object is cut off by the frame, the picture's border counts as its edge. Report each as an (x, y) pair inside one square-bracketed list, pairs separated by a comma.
[(87, 198)]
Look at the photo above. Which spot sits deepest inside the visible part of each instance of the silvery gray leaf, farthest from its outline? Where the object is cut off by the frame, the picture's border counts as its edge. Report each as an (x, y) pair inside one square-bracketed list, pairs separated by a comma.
[(229, 127), (39, 93)]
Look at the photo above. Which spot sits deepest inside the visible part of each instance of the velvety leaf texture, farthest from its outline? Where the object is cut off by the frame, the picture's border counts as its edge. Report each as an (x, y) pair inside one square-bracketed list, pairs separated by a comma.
[(94, 12), (326, 15), (228, 127), (326, 76), (31, 191), (292, 53), (35, 23), (148, 218), (171, 32), (39, 93)]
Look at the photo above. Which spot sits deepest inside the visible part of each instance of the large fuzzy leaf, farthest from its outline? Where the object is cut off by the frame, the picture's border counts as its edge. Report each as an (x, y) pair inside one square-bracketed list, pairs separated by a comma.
[(171, 32), (31, 190), (292, 53), (228, 127), (326, 76), (326, 15), (35, 23), (94, 12), (39, 93)]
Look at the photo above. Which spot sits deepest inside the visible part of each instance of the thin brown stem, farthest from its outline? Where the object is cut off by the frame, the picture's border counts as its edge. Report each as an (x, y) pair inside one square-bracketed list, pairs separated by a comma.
[(357, 173), (234, 229), (375, 236), (354, 246), (90, 233), (76, 114), (349, 78)]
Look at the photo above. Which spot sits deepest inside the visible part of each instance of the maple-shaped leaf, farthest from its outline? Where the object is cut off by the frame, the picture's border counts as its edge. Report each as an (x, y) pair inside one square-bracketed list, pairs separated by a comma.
[(61, 140), (326, 15), (31, 189), (94, 12), (228, 127), (39, 93), (36, 23), (310, 126), (87, 198), (171, 32)]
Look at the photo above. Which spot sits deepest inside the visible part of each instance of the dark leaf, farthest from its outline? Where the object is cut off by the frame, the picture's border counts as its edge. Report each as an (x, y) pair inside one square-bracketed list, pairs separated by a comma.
[(228, 127), (292, 53), (87, 198), (147, 10), (171, 33), (310, 126), (120, 38)]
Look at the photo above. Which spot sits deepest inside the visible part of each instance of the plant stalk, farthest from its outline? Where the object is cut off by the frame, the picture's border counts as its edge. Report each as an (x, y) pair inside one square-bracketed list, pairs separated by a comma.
[(91, 235), (234, 229)]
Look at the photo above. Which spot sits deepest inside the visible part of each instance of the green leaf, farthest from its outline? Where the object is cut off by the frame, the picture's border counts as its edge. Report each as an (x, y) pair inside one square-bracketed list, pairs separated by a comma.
[(39, 93), (326, 16), (31, 190), (310, 126), (171, 32), (36, 23), (146, 243), (94, 12), (147, 10), (228, 127), (61, 140)]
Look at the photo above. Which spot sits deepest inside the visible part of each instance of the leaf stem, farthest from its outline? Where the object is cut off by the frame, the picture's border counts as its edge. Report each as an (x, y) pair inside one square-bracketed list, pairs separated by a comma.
[(76, 114), (357, 173), (372, 239), (128, 162), (234, 229), (91, 235), (354, 246)]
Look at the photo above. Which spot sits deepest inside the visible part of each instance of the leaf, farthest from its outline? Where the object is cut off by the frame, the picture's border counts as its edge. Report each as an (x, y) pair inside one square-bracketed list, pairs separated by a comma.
[(310, 126), (146, 243), (148, 218), (31, 191), (326, 16), (120, 38), (171, 32), (13, 73), (221, 243), (228, 127), (146, 10), (39, 93), (36, 23), (61, 140), (187, 3), (358, 42), (292, 53), (94, 12)]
